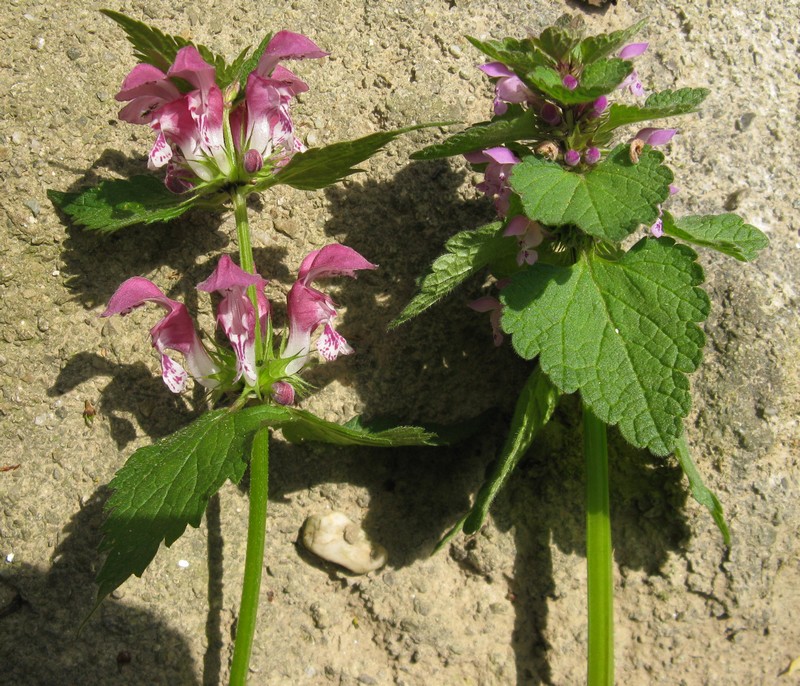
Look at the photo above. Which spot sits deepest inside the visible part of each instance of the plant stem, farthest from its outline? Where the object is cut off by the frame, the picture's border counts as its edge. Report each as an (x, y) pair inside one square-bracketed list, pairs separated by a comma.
[(600, 582), (243, 231), (254, 558)]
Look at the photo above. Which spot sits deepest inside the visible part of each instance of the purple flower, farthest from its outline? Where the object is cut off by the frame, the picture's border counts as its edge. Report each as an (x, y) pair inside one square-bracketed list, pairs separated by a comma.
[(570, 82), (499, 162), (657, 229), (236, 315), (652, 136), (632, 50), (530, 236), (572, 157), (509, 88), (495, 309), (599, 106), (308, 308), (592, 155), (550, 114), (631, 81), (175, 331)]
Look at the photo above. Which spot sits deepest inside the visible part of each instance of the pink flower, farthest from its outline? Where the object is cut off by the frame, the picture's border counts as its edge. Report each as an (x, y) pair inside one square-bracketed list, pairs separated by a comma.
[(653, 136), (236, 315), (495, 309), (174, 332), (308, 308), (509, 88), (499, 162), (530, 236), (631, 82)]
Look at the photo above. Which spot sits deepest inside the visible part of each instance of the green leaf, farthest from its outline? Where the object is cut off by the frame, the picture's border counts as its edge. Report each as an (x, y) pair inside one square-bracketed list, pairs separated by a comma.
[(485, 135), (726, 233), (321, 167), (699, 490), (152, 46), (595, 47), (535, 406), (520, 56), (599, 78), (165, 486), (466, 253), (114, 204), (305, 426), (241, 67), (657, 106), (558, 41), (592, 200), (622, 332)]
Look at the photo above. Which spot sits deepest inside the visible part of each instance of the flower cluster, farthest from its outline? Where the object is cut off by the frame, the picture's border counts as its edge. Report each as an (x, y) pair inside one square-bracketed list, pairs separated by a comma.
[(204, 134), (244, 316)]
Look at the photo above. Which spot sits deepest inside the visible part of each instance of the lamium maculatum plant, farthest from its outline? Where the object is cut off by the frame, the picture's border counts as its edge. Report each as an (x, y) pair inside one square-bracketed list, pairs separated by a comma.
[(595, 281), (222, 132)]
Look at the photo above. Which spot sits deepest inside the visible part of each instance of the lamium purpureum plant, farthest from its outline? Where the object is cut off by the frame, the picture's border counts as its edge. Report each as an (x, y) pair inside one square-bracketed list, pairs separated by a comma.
[(222, 132), (597, 311)]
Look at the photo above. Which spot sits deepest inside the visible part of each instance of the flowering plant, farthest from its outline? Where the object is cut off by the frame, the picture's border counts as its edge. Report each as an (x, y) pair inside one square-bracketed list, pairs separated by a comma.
[(599, 310), (222, 131)]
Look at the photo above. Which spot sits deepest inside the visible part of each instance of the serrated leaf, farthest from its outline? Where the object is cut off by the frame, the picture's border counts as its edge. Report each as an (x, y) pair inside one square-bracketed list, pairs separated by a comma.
[(592, 200), (520, 56), (699, 490), (165, 486), (533, 410), (152, 46), (304, 426), (242, 65), (657, 106), (599, 78), (466, 253), (558, 41), (114, 204), (622, 332), (726, 233), (595, 47), (483, 136), (321, 167)]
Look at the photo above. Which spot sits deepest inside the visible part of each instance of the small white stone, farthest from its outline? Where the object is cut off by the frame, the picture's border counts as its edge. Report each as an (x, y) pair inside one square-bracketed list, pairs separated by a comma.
[(334, 537), (10, 558), (183, 564)]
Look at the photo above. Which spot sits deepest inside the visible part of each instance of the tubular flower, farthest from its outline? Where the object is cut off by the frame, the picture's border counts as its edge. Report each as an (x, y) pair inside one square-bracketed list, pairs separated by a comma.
[(175, 331), (236, 315), (495, 309), (499, 162), (632, 82), (509, 88), (189, 125), (529, 235), (308, 308)]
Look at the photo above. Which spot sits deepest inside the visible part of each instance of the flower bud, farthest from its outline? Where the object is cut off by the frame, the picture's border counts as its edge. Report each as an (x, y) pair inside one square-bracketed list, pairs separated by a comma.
[(599, 106), (548, 150), (253, 162), (550, 114), (592, 155), (282, 392), (572, 157), (570, 82)]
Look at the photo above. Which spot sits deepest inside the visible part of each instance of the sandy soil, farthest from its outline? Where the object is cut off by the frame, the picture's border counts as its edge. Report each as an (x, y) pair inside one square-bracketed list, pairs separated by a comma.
[(506, 606)]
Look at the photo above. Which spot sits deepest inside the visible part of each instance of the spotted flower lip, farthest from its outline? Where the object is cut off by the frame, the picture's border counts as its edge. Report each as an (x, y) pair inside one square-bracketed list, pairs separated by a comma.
[(309, 308), (509, 88), (175, 331), (499, 162)]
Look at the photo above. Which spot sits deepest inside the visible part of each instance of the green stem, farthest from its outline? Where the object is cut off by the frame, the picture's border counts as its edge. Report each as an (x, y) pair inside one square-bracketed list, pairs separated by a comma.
[(254, 558), (600, 582), (246, 261)]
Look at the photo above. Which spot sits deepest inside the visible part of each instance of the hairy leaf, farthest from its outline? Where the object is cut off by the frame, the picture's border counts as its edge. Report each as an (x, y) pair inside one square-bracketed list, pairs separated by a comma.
[(597, 79), (114, 204), (305, 426), (726, 233), (243, 65), (466, 253), (592, 201), (558, 41), (520, 56), (152, 46), (165, 486), (321, 167), (482, 136), (595, 47), (622, 332), (535, 406), (699, 490), (657, 106)]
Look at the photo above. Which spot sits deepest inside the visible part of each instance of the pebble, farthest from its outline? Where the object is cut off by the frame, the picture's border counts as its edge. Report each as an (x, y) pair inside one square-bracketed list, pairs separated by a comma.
[(183, 564), (312, 139), (10, 558), (37, 43), (455, 51), (16, 138), (102, 96), (74, 53), (33, 206), (335, 538)]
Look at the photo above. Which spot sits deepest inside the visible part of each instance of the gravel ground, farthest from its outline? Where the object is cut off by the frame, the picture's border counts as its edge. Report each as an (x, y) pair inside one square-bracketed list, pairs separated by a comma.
[(506, 606)]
